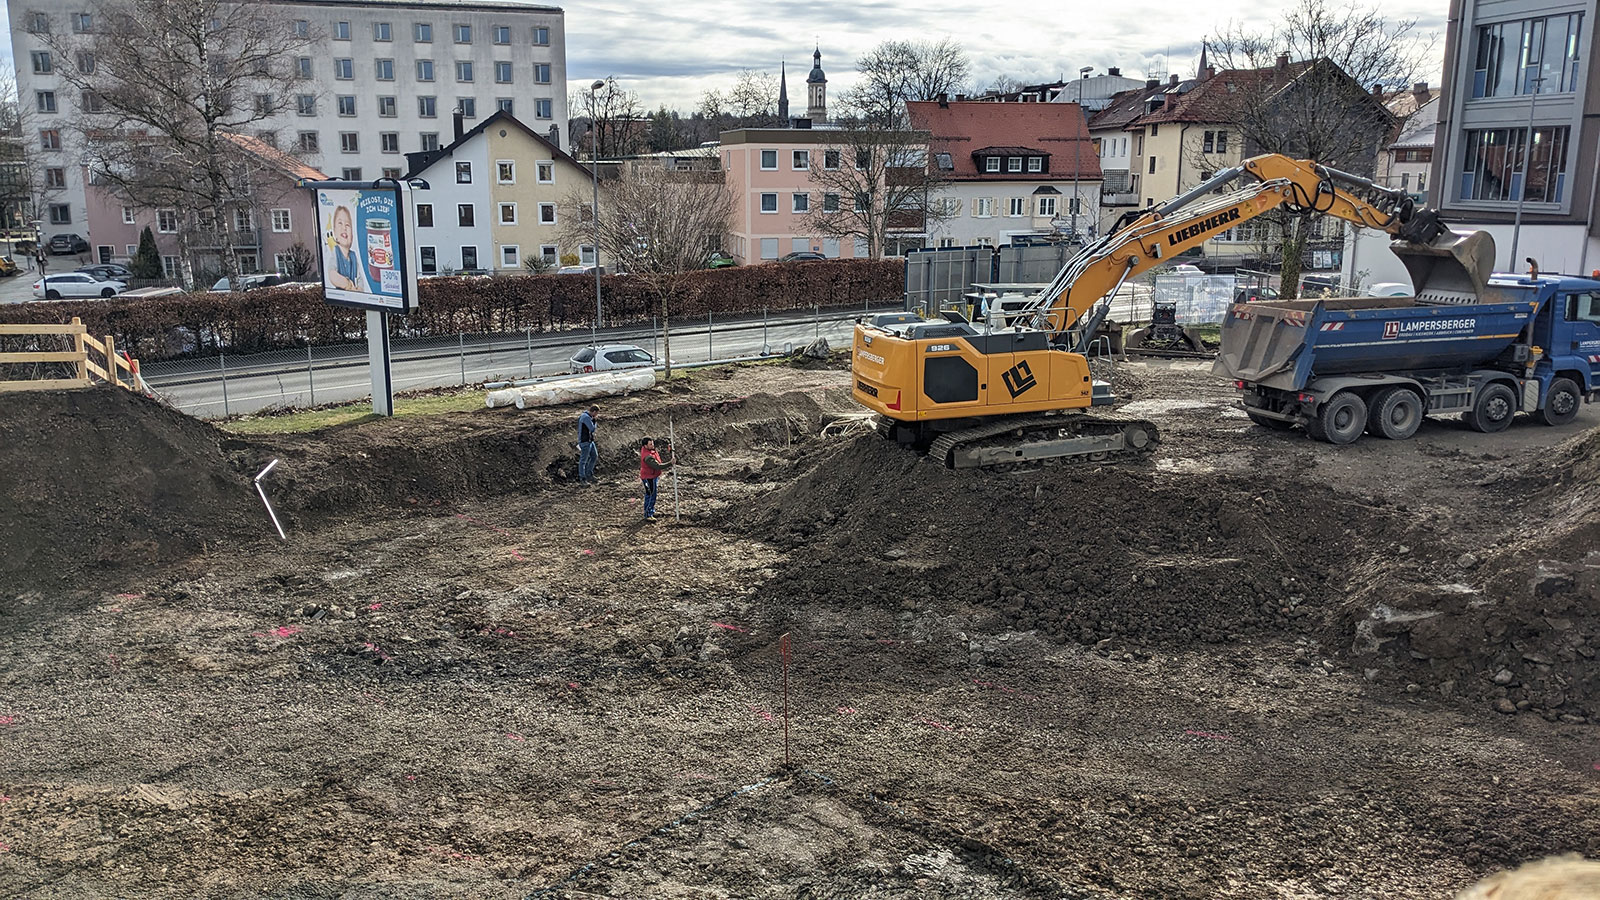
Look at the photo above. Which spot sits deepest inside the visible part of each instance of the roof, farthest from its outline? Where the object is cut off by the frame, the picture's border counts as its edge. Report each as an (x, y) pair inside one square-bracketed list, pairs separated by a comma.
[(1212, 99), (417, 163), (465, 5), (274, 157), (966, 128), (1125, 107), (1418, 130)]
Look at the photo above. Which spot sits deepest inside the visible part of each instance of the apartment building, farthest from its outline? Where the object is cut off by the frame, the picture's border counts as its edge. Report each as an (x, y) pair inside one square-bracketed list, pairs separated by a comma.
[(379, 80), (1117, 146), (769, 172), (495, 198)]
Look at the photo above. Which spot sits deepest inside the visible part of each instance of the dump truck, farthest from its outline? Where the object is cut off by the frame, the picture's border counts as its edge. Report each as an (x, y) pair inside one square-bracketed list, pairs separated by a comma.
[(1485, 347)]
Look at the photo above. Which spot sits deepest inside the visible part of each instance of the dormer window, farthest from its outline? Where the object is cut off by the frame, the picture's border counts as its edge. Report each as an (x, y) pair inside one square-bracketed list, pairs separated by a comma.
[(1013, 164), (1035, 164), (944, 161), (991, 164)]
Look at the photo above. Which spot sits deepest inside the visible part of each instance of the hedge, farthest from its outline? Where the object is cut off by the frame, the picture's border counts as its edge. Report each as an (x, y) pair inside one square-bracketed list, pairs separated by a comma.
[(201, 324)]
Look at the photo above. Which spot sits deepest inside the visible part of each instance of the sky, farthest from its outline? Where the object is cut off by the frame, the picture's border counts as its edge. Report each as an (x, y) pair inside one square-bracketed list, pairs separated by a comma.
[(670, 53)]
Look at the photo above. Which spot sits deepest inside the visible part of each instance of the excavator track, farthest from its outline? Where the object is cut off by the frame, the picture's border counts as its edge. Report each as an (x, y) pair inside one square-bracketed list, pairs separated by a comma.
[(1032, 440)]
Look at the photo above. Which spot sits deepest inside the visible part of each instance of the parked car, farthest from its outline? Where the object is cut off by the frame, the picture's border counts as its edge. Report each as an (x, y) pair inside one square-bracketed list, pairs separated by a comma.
[(8, 266), (580, 270), (1254, 294), (68, 243), (608, 357), (721, 260), (75, 284), (800, 256), (247, 283), (108, 271)]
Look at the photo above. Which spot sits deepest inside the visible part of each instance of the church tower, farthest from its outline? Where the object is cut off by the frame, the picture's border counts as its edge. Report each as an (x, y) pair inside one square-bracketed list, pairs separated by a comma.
[(817, 90), (783, 94)]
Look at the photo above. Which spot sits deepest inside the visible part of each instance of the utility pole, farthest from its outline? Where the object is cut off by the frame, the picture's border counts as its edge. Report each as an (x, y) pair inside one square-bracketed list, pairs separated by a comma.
[(594, 167), (1077, 149), (1527, 166)]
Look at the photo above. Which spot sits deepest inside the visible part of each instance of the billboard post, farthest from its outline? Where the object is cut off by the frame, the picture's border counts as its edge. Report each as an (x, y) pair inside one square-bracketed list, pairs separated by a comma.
[(366, 262)]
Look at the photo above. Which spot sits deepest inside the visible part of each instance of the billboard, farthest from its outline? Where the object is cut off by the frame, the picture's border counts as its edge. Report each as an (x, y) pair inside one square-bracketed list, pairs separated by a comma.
[(361, 235)]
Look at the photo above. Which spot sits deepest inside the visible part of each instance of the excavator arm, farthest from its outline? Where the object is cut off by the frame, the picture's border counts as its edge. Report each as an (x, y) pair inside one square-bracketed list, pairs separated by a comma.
[(1147, 238)]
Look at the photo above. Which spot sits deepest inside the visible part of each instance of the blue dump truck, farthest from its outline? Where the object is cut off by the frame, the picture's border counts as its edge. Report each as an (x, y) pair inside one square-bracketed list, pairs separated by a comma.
[(1481, 346)]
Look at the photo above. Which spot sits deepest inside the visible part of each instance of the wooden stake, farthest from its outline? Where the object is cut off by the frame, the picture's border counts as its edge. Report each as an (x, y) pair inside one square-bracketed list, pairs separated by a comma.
[(672, 451), (783, 652)]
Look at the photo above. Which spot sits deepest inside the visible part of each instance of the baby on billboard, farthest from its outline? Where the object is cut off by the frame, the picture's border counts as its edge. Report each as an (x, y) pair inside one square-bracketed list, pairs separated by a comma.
[(347, 268)]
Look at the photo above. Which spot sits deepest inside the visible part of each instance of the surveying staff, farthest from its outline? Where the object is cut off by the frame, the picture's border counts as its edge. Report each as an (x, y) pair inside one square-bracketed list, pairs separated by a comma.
[(650, 469), (588, 453)]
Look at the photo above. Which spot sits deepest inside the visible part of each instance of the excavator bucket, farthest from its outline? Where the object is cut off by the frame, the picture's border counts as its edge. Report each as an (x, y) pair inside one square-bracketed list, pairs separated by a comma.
[(1453, 268)]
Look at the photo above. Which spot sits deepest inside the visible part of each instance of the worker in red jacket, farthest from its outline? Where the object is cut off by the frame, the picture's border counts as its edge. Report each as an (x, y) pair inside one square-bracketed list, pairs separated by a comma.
[(650, 469)]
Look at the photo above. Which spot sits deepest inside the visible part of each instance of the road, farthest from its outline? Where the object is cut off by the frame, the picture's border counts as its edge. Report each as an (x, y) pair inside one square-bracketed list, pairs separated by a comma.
[(213, 387)]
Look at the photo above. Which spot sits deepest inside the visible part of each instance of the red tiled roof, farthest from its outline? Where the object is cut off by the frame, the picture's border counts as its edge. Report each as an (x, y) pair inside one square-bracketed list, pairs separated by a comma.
[(274, 157), (1125, 106), (1213, 99), (961, 127)]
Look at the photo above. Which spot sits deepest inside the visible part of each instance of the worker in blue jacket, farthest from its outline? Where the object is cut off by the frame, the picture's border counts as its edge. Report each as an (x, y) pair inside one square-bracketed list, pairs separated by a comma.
[(588, 453)]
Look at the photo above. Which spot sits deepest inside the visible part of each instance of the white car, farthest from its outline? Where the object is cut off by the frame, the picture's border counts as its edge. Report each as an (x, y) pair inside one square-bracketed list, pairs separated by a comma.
[(75, 284), (608, 357)]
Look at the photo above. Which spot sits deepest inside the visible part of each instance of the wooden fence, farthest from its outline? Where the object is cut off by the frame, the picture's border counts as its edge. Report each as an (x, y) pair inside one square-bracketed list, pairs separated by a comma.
[(109, 370)]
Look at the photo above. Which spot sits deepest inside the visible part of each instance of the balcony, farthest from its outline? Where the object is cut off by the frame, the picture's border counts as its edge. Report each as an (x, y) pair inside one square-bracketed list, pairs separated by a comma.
[(242, 240), (1122, 199)]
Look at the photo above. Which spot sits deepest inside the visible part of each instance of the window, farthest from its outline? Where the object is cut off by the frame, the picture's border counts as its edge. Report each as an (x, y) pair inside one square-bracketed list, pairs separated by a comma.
[(347, 104), (1152, 165), (302, 67), (502, 34), (430, 140), (1526, 57), (863, 159), (170, 266), (463, 172), (382, 32), (45, 100), (387, 107), (42, 62), (301, 28), (944, 161), (1013, 164), (60, 214), (547, 214), (541, 109), (242, 220), (89, 101), (463, 34), (508, 214), (503, 104), (468, 107), (464, 216), (463, 70), (127, 215), (505, 171), (1422, 182), (1207, 142), (983, 207), (305, 104), (1155, 130), (510, 256), (830, 202), (282, 263), (586, 254), (541, 36), (769, 159), (991, 164), (389, 141), (344, 68), (427, 107), (469, 257), (502, 73), (424, 215), (802, 160), (1222, 142), (1019, 206), (541, 73), (862, 202), (830, 159), (49, 139), (306, 141), (769, 203), (1035, 164), (1497, 160), (39, 23), (422, 33), (55, 177), (281, 221), (385, 69), (167, 221), (349, 142), (1047, 206), (341, 31), (82, 23), (549, 252), (1583, 307), (801, 203), (424, 70), (428, 260), (769, 248), (131, 249), (545, 172)]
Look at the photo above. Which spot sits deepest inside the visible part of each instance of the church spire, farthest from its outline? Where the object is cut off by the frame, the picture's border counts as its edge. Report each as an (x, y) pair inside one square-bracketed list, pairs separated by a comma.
[(817, 90), (783, 93), (1202, 72)]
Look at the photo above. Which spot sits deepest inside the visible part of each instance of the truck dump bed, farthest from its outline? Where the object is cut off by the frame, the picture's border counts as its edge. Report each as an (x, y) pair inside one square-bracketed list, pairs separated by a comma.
[(1284, 344)]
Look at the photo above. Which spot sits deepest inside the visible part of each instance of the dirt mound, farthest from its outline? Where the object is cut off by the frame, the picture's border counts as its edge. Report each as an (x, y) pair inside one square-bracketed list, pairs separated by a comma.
[(103, 478), (1080, 552)]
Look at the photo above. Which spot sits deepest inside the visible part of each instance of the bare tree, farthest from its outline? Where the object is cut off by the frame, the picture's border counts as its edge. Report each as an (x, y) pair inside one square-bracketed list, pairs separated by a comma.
[(1310, 92), (1004, 84), (873, 182), (163, 82), (656, 224), (753, 99), (618, 116), (896, 71), (31, 177)]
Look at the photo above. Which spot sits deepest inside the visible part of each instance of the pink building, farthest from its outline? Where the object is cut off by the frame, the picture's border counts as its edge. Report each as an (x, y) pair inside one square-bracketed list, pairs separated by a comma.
[(265, 230), (769, 172)]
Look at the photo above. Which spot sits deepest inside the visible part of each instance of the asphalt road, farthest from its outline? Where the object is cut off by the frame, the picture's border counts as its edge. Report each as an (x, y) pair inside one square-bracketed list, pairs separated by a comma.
[(213, 387)]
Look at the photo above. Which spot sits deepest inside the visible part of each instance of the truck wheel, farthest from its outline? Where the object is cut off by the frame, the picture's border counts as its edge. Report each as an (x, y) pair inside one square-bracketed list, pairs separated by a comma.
[(1495, 409), (1561, 406), (1268, 423), (1396, 414), (1342, 418)]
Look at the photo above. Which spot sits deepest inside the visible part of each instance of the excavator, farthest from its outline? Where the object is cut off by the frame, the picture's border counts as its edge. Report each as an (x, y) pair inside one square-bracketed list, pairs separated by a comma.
[(1011, 392)]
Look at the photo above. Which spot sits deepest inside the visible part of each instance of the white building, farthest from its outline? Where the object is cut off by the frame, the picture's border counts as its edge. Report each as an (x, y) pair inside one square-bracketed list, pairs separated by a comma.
[(379, 80)]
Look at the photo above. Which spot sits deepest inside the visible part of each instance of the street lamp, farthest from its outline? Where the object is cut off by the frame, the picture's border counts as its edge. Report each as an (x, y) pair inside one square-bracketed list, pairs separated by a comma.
[(1527, 167), (1077, 150), (594, 166)]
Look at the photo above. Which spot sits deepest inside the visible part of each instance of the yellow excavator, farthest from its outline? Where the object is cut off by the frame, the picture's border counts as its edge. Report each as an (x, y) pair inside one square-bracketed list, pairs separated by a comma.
[(993, 393)]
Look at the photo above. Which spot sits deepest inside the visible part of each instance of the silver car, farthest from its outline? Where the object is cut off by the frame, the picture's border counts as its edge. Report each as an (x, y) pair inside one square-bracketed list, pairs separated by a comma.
[(608, 357), (75, 284)]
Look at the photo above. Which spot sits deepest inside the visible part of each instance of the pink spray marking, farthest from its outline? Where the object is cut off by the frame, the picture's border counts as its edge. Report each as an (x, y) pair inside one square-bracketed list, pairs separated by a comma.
[(514, 736), (739, 628), (282, 631), (587, 552), (8, 720), (518, 556), (765, 716), (1207, 734), (374, 606), (1597, 767), (988, 684), (411, 778), (5, 847), (574, 685), (130, 596), (939, 725), (847, 710), (374, 648), (4, 799)]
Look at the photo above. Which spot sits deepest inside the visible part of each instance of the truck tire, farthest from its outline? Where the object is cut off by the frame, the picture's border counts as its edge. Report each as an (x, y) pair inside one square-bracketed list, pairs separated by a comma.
[(1561, 405), (1269, 423), (1494, 410), (1396, 413), (1342, 419)]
